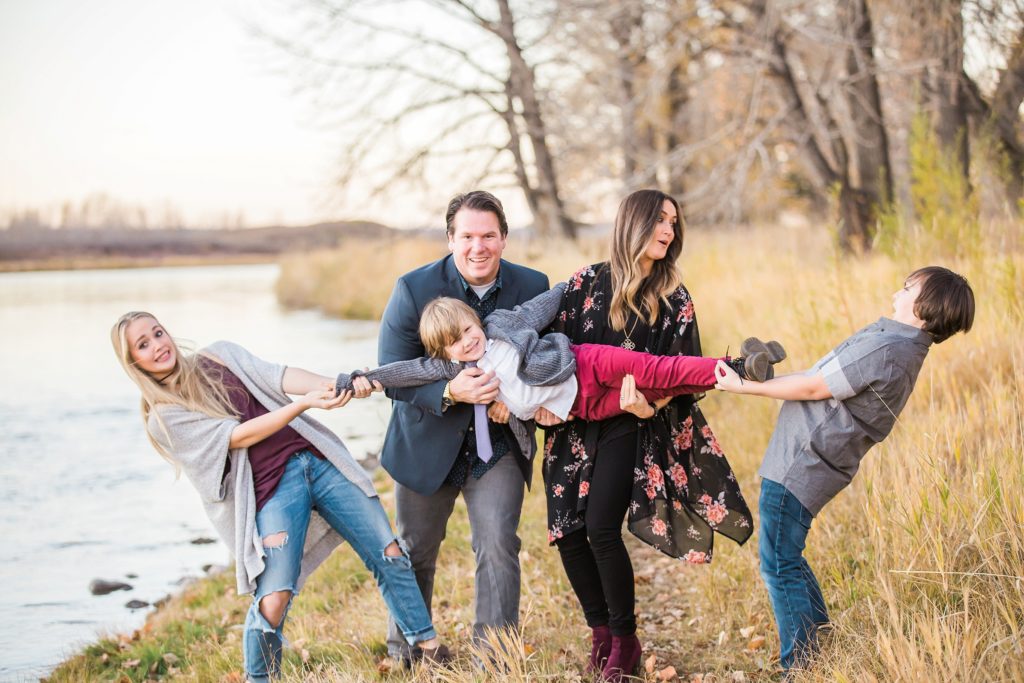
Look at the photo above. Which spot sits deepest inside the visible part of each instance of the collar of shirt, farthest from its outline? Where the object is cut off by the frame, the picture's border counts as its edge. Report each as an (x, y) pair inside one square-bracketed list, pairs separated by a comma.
[(904, 330), (495, 288)]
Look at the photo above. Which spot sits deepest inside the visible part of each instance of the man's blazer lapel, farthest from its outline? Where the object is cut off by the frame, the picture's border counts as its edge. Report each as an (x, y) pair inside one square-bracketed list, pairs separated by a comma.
[(508, 297)]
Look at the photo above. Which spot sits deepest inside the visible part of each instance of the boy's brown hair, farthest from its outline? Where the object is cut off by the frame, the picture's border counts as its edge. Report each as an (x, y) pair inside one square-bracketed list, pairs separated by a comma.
[(442, 322), (945, 303)]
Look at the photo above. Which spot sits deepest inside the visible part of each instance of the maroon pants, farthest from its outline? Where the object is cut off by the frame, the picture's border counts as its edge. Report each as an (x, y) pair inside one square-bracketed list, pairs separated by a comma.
[(600, 369)]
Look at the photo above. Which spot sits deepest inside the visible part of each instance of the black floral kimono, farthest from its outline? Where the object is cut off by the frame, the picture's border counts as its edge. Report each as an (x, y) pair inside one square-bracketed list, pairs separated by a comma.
[(683, 487)]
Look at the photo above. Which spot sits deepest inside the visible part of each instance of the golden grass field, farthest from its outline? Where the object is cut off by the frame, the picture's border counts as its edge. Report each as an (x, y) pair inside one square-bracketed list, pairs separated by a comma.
[(921, 560)]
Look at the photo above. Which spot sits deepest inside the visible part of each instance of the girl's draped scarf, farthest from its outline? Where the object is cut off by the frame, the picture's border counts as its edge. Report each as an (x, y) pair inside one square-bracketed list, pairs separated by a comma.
[(683, 486)]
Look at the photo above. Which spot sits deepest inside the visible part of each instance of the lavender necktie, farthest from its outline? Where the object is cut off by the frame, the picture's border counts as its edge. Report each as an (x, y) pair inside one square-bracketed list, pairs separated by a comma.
[(483, 433)]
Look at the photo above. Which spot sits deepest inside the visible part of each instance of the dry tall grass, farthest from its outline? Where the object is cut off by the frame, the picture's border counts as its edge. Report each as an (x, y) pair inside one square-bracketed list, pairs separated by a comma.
[(921, 560)]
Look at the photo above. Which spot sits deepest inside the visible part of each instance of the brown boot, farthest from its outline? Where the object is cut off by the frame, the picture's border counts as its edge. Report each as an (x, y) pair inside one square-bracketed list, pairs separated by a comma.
[(439, 657)]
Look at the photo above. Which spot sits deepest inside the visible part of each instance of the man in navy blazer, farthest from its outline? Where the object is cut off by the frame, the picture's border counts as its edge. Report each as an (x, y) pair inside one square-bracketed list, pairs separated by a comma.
[(430, 447)]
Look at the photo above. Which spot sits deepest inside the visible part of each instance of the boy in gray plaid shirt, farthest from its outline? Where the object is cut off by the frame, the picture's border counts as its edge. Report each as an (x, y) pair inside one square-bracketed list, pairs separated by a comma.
[(832, 414)]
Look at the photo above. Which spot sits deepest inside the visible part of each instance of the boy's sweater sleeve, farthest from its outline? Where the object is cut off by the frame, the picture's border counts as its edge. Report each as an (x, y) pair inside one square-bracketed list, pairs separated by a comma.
[(402, 374)]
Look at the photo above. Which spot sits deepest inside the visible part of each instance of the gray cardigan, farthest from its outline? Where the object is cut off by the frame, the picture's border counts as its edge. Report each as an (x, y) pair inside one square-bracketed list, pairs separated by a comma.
[(223, 476), (543, 361)]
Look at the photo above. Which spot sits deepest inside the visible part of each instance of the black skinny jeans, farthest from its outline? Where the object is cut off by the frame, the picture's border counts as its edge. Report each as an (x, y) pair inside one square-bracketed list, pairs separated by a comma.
[(595, 557)]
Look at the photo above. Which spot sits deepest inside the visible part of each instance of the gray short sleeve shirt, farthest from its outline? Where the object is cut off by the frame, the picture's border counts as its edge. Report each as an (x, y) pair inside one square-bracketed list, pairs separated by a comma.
[(817, 446)]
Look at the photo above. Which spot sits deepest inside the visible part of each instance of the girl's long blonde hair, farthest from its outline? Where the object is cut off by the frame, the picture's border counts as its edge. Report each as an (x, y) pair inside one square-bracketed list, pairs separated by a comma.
[(190, 385), (634, 227)]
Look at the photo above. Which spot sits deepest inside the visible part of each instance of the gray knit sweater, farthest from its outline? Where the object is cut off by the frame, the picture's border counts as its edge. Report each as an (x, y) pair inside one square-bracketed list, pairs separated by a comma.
[(223, 476), (543, 361)]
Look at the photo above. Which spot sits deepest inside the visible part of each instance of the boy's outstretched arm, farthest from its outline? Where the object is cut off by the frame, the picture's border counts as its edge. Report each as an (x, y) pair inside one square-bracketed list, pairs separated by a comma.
[(796, 387), (415, 372)]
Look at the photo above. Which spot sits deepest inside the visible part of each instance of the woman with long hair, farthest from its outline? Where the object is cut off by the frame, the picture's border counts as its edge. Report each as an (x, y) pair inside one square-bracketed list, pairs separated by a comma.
[(281, 490), (663, 466)]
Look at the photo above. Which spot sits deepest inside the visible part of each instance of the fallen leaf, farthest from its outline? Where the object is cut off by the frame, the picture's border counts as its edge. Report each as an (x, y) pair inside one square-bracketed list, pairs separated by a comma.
[(738, 677), (304, 653), (104, 658), (697, 678), (650, 663), (130, 663), (171, 658), (722, 637), (383, 667), (747, 630), (667, 674), (529, 649), (756, 643)]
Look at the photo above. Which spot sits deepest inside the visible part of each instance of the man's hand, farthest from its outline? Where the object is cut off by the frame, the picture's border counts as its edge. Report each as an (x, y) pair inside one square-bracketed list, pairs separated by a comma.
[(498, 412), (545, 418), (473, 385), (632, 400)]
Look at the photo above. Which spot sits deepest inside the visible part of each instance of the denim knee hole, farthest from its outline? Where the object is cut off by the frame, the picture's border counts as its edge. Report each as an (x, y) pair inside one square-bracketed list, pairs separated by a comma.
[(403, 556), (275, 541)]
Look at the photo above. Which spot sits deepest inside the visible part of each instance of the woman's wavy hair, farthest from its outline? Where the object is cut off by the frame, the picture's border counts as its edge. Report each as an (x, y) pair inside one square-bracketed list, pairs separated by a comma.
[(634, 227), (190, 385)]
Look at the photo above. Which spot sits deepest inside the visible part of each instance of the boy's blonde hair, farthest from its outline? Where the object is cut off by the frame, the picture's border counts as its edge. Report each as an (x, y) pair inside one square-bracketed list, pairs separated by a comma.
[(442, 322)]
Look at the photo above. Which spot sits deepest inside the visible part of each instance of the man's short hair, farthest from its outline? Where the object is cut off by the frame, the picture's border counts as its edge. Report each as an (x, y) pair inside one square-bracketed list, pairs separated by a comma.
[(945, 303), (478, 200), (442, 322)]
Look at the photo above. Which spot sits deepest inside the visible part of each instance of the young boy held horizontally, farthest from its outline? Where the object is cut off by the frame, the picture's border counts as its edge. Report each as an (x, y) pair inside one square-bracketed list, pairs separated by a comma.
[(832, 414)]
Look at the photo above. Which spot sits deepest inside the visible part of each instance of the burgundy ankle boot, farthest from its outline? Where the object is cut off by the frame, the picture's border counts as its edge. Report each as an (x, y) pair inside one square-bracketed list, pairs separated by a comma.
[(624, 658), (600, 648)]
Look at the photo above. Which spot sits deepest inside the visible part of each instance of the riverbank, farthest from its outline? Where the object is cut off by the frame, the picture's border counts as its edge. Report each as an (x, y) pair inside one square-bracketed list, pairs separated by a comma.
[(920, 559), (336, 626)]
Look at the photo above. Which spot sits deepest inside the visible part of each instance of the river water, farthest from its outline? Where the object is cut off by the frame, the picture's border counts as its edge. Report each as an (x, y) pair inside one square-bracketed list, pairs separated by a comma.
[(82, 493)]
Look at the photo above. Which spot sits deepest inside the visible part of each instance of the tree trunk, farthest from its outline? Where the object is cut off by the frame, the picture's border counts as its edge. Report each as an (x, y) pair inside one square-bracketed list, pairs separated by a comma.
[(1006, 119), (870, 146), (627, 61), (942, 27), (550, 217), (678, 96)]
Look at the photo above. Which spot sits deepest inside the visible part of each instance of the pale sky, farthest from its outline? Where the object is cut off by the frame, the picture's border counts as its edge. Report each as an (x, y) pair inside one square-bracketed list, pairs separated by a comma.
[(155, 101)]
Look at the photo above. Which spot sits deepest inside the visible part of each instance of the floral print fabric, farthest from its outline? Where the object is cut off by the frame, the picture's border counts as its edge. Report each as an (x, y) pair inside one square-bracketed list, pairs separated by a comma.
[(683, 486)]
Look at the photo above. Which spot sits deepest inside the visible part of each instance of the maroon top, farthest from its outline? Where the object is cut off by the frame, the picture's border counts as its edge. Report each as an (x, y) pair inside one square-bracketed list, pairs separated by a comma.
[(269, 456)]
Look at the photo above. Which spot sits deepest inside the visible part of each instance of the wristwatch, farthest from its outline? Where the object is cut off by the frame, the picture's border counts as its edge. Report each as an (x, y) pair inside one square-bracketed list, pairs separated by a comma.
[(446, 398)]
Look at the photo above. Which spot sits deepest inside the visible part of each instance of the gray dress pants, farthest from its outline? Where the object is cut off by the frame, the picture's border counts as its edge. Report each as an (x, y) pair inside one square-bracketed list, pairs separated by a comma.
[(494, 502)]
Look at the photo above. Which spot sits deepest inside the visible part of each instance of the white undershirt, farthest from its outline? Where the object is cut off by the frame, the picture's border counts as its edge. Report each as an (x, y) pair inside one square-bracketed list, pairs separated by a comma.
[(481, 290), (502, 359)]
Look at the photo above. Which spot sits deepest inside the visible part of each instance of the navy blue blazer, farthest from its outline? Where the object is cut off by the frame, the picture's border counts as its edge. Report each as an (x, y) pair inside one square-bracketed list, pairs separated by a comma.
[(422, 441)]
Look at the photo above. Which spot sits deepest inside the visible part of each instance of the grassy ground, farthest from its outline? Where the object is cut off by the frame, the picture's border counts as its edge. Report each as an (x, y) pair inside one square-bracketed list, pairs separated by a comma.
[(921, 560)]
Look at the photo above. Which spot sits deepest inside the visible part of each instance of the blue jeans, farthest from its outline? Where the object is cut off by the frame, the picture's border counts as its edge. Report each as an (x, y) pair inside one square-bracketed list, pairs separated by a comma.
[(310, 482), (794, 592)]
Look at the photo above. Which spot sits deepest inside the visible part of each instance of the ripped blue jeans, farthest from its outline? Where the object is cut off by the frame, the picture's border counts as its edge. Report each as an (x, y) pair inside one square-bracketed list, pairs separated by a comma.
[(312, 483)]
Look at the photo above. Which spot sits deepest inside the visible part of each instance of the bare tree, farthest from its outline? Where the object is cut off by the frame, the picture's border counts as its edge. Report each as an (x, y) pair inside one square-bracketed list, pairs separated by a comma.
[(824, 68), (999, 28), (428, 88)]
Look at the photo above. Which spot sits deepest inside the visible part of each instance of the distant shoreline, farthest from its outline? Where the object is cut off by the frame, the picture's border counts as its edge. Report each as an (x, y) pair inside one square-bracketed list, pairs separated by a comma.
[(48, 249), (114, 262)]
